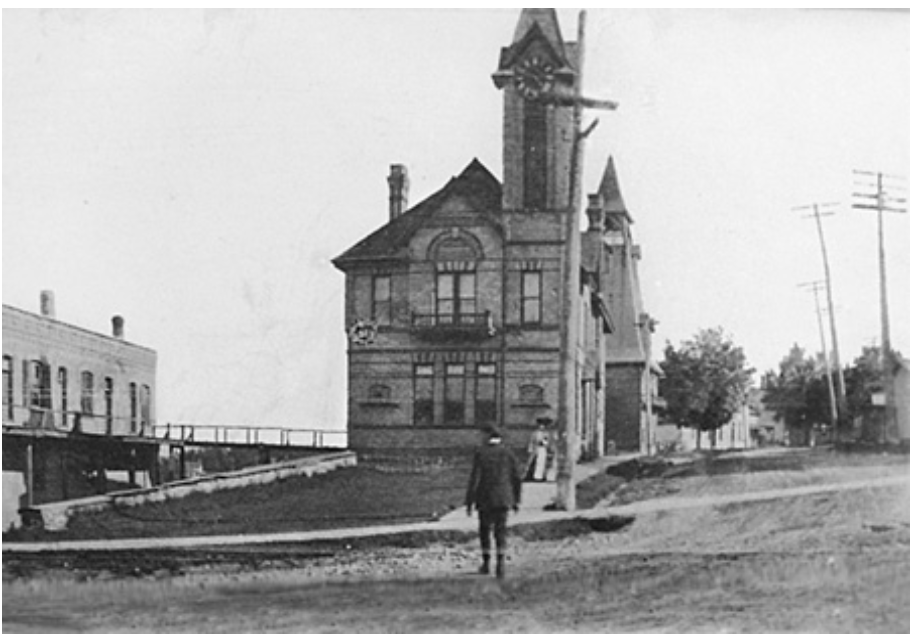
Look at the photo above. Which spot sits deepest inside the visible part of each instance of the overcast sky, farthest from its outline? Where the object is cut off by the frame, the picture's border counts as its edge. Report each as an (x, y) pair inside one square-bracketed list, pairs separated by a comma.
[(196, 171)]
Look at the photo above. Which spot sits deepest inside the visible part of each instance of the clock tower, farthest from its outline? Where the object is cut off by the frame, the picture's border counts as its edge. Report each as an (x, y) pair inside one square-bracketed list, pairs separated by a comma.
[(536, 69)]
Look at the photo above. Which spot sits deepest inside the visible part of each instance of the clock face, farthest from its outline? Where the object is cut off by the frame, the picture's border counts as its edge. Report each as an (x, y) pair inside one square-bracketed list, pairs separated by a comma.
[(533, 77)]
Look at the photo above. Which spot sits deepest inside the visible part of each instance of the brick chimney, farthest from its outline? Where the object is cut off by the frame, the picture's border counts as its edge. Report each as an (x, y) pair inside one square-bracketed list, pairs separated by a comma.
[(117, 327), (398, 185), (47, 304)]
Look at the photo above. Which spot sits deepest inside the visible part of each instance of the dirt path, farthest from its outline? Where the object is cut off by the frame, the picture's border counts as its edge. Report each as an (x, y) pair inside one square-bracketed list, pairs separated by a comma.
[(680, 502)]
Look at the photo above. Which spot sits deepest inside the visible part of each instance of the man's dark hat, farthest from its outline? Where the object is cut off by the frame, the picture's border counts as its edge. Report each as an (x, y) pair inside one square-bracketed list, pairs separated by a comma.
[(544, 420), (492, 430)]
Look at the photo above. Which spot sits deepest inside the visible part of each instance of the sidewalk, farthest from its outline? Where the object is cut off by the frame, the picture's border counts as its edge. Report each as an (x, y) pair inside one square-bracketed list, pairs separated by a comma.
[(535, 497)]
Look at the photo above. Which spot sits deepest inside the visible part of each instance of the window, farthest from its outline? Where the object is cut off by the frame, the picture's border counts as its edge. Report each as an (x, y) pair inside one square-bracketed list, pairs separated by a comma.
[(535, 159), (423, 394), (87, 389), (382, 299), (7, 387), (454, 407), (455, 296), (109, 404), (485, 393), (145, 417), (135, 407), (39, 385), (531, 297), (62, 384)]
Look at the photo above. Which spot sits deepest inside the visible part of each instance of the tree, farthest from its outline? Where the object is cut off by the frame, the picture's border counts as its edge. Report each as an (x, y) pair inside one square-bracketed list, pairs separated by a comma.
[(798, 394), (704, 382)]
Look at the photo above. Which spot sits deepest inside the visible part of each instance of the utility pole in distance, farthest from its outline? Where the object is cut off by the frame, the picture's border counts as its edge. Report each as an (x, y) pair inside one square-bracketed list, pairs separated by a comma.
[(815, 287), (819, 211), (880, 200)]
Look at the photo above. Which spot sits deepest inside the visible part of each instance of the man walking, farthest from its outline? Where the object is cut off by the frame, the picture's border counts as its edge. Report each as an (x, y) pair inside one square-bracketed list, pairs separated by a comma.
[(495, 486)]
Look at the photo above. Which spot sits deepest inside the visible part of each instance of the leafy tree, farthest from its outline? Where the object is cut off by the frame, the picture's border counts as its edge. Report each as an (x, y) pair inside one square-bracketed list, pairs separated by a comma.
[(798, 394), (863, 379), (704, 382)]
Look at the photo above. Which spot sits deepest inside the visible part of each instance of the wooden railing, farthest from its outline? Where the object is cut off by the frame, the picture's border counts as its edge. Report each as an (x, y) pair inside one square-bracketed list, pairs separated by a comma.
[(229, 435)]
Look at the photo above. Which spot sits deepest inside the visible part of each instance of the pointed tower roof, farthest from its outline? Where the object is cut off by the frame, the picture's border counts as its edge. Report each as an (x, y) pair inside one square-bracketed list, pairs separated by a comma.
[(546, 20), (538, 25), (610, 190)]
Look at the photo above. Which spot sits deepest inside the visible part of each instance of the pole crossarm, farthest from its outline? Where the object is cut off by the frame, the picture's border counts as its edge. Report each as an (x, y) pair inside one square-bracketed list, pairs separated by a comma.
[(567, 100)]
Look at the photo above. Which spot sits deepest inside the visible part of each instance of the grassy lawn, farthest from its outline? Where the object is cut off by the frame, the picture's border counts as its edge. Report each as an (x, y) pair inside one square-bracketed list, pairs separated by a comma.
[(350, 497)]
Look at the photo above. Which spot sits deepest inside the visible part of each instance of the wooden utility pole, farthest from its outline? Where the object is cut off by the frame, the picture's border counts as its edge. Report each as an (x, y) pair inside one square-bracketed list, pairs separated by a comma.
[(841, 403), (569, 331), (815, 287), (881, 201)]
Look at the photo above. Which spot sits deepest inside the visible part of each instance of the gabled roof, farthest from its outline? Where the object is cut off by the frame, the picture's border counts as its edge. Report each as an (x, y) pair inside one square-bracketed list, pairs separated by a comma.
[(475, 183)]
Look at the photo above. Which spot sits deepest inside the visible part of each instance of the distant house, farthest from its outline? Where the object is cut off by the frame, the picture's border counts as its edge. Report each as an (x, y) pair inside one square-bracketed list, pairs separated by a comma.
[(738, 433), (764, 427)]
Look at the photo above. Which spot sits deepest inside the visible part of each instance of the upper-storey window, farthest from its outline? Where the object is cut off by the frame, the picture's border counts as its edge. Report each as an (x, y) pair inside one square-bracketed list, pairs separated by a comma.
[(62, 386), (455, 296), (38, 384), (531, 297), (382, 299), (135, 407), (7, 387), (535, 155), (87, 393), (145, 414), (109, 404)]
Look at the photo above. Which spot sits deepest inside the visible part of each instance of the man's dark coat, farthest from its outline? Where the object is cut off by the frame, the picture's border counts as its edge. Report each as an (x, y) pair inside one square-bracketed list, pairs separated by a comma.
[(495, 481)]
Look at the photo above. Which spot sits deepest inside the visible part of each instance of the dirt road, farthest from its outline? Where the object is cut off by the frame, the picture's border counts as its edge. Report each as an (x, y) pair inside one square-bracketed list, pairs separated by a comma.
[(834, 559)]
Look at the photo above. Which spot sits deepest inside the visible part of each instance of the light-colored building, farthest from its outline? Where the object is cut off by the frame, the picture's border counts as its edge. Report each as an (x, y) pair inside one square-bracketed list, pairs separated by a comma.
[(75, 404)]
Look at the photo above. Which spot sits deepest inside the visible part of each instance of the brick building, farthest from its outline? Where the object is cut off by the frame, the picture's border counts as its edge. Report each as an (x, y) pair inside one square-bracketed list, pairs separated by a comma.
[(75, 404), (453, 307)]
